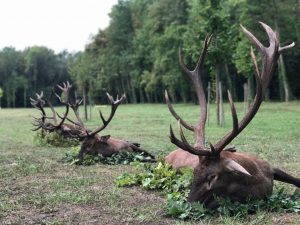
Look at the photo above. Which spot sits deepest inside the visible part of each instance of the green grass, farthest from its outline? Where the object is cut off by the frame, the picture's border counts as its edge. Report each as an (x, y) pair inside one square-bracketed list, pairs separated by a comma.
[(35, 187)]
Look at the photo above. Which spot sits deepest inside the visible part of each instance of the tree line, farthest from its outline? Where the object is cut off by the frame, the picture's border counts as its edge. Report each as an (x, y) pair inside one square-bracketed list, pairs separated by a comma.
[(137, 53)]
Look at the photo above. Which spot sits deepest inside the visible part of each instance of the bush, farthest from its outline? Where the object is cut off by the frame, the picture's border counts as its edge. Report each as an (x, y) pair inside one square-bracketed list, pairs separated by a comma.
[(161, 177)]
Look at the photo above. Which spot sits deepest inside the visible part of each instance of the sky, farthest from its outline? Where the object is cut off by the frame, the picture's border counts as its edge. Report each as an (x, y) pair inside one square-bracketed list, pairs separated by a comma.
[(56, 24)]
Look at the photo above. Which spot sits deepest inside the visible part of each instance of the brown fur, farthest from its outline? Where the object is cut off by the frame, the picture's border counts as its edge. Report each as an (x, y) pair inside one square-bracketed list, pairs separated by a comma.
[(180, 158), (107, 146), (233, 184)]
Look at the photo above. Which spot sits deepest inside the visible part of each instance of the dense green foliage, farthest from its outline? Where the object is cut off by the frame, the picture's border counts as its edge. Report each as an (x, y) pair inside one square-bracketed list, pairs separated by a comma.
[(137, 53), (123, 157), (175, 184), (159, 177), (23, 73)]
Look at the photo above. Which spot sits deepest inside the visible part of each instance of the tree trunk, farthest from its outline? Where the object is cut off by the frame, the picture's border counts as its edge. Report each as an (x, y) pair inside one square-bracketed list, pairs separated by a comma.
[(123, 85), (230, 82), (218, 71), (13, 94), (221, 107), (284, 89), (148, 97), (142, 99), (25, 97), (155, 96), (90, 104), (183, 95), (132, 89), (208, 102), (84, 96), (8, 99), (246, 106)]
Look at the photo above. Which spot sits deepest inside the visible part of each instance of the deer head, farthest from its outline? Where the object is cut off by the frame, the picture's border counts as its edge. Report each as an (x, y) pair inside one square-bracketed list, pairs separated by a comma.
[(92, 142), (226, 173)]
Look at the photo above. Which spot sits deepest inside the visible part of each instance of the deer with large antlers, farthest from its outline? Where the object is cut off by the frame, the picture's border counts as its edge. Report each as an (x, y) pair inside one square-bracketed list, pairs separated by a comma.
[(219, 171), (92, 142)]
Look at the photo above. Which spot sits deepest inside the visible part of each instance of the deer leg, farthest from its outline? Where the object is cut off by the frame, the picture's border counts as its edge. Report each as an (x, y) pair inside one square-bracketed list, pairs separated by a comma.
[(284, 177), (81, 153), (137, 149)]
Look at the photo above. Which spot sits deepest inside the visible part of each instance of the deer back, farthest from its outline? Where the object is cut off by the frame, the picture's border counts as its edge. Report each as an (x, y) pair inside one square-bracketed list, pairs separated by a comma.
[(180, 159)]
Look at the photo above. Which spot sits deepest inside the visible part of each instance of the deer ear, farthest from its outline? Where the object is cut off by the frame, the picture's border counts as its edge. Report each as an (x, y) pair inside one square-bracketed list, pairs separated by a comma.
[(233, 166), (104, 138)]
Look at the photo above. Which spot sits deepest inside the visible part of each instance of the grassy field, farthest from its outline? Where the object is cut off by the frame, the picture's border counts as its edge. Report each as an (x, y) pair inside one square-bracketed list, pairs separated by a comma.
[(36, 188)]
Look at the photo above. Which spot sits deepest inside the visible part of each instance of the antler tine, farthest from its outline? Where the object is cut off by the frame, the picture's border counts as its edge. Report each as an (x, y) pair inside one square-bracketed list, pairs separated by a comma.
[(52, 110), (281, 49), (117, 101), (40, 96), (61, 117), (110, 98), (65, 90), (114, 106), (75, 107), (39, 104), (200, 152), (253, 57), (177, 117), (235, 123), (200, 62), (259, 46), (184, 144), (195, 77), (270, 57), (64, 117)]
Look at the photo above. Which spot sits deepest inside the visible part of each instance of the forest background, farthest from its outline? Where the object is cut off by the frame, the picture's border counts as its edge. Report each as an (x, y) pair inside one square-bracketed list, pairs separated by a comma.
[(137, 53)]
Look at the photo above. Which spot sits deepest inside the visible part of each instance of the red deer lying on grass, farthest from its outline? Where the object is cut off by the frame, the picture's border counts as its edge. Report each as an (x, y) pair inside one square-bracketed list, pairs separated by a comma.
[(218, 172), (92, 142)]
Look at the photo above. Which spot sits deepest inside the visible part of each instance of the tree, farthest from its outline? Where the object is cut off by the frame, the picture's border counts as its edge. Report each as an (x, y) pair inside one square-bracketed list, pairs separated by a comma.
[(1, 95)]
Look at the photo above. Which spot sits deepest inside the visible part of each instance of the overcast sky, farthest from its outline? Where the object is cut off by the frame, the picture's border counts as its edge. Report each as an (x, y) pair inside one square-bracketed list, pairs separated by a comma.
[(56, 24)]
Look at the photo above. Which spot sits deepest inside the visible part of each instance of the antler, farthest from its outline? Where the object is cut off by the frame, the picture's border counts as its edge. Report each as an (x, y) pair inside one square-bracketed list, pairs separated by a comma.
[(114, 106), (85, 131), (270, 56), (75, 107), (39, 104), (195, 77), (64, 100)]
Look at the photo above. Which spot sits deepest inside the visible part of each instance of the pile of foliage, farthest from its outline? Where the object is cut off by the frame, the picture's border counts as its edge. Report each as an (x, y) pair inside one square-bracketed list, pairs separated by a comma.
[(123, 157), (161, 177), (54, 139), (175, 184)]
